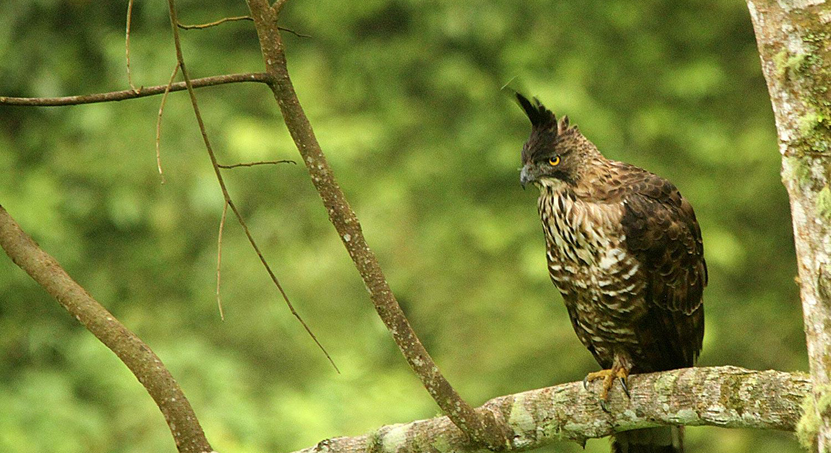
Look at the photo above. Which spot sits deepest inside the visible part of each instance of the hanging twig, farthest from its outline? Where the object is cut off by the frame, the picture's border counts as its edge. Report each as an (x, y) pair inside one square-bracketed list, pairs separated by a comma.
[(179, 57), (159, 122), (219, 260)]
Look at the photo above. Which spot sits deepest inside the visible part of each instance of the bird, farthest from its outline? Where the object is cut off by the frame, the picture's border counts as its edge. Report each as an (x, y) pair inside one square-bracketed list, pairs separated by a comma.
[(624, 249)]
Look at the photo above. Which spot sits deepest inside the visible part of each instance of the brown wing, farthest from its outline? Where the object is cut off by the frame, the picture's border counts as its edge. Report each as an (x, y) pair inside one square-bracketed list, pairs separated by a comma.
[(662, 232)]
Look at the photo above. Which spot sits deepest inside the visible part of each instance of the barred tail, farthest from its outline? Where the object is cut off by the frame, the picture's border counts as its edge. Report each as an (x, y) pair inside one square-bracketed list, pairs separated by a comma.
[(666, 439)]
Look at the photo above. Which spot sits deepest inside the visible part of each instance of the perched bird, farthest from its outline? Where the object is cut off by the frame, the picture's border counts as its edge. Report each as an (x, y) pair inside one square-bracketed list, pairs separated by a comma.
[(625, 251)]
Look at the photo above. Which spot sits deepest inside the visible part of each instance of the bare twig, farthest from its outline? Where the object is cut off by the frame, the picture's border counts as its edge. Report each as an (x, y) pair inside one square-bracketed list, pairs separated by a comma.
[(127, 45), (159, 122), (219, 260), (482, 429), (180, 58), (251, 164), (258, 77), (720, 396), (213, 24), (231, 19), (299, 35), (138, 357)]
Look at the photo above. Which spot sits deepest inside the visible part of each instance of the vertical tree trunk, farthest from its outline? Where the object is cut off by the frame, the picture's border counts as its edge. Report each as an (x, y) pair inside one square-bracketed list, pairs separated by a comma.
[(794, 39)]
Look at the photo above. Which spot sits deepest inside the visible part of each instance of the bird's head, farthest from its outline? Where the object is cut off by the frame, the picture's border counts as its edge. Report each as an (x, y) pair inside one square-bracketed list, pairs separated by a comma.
[(556, 152)]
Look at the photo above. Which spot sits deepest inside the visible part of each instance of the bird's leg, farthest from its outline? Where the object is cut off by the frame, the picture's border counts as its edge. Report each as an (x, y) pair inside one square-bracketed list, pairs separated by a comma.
[(619, 370)]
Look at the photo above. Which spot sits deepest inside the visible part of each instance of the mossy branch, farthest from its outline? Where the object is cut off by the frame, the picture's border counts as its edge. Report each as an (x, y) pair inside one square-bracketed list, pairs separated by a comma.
[(725, 396)]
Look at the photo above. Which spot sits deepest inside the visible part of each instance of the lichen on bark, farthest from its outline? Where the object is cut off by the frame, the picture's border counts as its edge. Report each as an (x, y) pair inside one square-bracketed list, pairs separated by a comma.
[(795, 47), (718, 396)]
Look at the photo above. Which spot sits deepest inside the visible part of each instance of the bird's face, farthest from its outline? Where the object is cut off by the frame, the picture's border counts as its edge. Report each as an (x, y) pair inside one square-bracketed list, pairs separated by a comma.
[(548, 161), (551, 156)]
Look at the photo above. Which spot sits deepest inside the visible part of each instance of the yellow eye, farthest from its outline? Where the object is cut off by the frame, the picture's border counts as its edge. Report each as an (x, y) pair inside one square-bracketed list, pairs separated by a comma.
[(554, 161)]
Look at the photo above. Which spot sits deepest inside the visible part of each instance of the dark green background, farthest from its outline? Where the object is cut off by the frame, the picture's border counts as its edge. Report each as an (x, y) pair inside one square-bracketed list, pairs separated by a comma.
[(405, 98)]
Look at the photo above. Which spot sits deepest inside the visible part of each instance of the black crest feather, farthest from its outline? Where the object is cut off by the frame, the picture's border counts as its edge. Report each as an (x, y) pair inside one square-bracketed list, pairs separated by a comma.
[(541, 118)]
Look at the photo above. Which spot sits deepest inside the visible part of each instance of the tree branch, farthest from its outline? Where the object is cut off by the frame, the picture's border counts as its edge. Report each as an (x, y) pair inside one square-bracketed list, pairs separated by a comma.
[(127, 44), (138, 357), (260, 77), (793, 39), (213, 24), (726, 396), (253, 164), (234, 19), (482, 429)]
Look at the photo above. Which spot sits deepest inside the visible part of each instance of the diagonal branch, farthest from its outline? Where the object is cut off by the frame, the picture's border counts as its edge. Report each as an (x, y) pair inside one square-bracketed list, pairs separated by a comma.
[(138, 357), (254, 164), (726, 396), (122, 95), (230, 203), (482, 428)]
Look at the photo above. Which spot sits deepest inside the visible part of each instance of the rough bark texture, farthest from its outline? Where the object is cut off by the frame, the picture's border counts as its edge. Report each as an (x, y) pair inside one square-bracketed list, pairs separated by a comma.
[(721, 396), (794, 39), (138, 357)]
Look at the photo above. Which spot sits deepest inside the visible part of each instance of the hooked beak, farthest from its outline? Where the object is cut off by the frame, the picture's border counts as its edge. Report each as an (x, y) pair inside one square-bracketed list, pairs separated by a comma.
[(525, 177)]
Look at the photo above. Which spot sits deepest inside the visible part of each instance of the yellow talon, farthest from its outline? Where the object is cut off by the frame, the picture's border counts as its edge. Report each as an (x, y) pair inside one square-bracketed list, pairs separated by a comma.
[(608, 377)]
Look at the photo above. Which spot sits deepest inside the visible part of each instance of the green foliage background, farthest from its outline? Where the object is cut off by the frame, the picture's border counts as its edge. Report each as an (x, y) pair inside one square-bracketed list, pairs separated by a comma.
[(405, 98)]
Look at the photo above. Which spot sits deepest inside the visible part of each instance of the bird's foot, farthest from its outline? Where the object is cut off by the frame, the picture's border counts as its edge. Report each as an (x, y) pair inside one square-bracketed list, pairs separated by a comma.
[(608, 377)]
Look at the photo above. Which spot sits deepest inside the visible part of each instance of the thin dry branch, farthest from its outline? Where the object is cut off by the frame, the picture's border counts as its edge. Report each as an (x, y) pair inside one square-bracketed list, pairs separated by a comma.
[(482, 428), (180, 58), (265, 162), (289, 30), (122, 95), (138, 357), (127, 44), (214, 23), (727, 396), (233, 19)]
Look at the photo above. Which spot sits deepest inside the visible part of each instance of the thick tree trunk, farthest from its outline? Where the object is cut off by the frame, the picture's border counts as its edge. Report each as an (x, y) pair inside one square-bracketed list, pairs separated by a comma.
[(794, 38)]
